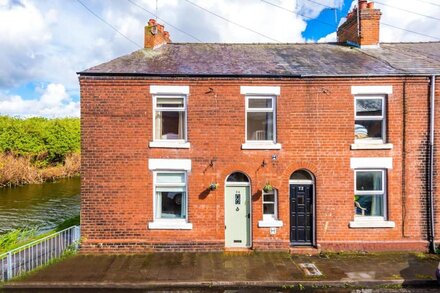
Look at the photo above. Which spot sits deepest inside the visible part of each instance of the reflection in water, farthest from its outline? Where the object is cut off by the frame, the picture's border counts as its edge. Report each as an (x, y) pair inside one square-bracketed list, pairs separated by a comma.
[(39, 205)]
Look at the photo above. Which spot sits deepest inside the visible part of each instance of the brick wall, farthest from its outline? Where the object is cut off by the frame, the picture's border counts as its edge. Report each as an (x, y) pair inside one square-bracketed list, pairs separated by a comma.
[(315, 120)]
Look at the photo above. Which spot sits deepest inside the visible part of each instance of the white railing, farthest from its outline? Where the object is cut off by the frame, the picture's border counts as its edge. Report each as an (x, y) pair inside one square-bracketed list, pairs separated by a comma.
[(37, 253)]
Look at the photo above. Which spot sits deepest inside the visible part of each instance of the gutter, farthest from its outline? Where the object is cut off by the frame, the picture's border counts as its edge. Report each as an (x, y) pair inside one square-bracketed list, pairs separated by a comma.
[(206, 75), (431, 222)]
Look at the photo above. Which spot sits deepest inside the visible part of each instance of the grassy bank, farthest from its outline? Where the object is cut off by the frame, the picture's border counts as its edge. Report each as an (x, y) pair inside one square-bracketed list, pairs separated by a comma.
[(35, 150)]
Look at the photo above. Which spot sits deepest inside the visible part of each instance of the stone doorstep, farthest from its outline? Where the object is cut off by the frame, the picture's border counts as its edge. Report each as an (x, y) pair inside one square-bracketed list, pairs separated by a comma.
[(304, 250), (238, 250)]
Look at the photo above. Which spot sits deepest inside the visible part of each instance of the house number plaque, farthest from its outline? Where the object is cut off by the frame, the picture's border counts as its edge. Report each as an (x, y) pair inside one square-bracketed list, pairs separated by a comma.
[(237, 197)]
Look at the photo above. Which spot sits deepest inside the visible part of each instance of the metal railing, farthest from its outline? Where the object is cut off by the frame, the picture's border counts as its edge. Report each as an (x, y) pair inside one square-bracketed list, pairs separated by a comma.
[(37, 253)]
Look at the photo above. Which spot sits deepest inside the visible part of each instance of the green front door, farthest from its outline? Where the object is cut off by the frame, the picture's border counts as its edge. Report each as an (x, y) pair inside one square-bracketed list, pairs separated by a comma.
[(237, 216)]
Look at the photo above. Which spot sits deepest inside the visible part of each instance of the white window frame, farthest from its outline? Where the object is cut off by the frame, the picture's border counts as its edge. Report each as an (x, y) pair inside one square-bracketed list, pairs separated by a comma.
[(270, 220), (372, 118), (373, 192), (161, 91), (262, 92), (372, 221), (261, 110), (172, 224)]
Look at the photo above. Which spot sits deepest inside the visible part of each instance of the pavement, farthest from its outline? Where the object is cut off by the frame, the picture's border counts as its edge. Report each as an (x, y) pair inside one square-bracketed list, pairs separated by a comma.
[(276, 270)]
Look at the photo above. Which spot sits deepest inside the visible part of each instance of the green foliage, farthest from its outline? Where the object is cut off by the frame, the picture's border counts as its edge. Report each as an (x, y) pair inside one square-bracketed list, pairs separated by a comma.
[(16, 238), (74, 221), (45, 141)]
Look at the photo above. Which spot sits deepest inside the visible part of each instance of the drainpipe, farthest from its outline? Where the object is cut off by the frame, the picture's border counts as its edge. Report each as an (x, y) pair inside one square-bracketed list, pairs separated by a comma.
[(431, 236)]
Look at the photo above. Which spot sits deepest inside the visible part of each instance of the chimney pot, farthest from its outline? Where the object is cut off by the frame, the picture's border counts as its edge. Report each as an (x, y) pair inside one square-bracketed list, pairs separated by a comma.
[(370, 5), (155, 35), (362, 4)]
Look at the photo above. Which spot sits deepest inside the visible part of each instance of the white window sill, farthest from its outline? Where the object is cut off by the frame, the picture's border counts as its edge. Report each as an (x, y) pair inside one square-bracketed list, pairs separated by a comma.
[(170, 225), (372, 146), (371, 223), (260, 146), (270, 223), (169, 144)]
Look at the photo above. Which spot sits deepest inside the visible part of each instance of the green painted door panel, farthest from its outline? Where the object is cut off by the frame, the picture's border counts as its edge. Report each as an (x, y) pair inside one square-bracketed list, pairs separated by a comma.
[(237, 216)]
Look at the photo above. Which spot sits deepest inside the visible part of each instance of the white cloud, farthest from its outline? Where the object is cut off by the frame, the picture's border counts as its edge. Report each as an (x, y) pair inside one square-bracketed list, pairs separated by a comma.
[(54, 102), (328, 38)]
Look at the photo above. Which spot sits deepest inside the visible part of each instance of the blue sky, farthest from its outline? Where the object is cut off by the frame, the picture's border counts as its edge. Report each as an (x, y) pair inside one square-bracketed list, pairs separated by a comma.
[(44, 43)]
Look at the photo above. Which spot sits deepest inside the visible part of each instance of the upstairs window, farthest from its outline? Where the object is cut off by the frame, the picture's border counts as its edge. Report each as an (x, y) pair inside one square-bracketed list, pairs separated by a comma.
[(170, 118), (260, 119), (370, 126)]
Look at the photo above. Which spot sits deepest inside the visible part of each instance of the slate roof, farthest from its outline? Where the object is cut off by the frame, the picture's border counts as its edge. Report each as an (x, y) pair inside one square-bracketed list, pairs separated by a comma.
[(276, 60)]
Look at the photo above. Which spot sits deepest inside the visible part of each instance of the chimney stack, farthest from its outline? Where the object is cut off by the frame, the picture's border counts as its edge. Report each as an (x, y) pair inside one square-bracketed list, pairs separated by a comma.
[(155, 35), (362, 26)]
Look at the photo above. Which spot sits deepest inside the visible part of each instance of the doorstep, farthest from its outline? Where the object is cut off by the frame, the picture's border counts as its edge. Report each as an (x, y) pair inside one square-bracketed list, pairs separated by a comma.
[(305, 250), (238, 250)]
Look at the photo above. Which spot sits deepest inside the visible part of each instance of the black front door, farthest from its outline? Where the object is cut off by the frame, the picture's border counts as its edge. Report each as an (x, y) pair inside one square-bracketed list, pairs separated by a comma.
[(301, 214)]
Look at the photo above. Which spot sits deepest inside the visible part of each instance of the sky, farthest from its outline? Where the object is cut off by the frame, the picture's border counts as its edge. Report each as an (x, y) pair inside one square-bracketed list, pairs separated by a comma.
[(43, 43)]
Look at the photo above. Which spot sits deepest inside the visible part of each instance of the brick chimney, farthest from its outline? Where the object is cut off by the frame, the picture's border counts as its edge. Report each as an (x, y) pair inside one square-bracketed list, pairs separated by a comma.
[(362, 26), (155, 35)]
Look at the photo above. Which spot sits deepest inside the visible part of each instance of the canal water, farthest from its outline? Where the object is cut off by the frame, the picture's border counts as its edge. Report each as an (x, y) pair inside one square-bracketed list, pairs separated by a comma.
[(42, 206)]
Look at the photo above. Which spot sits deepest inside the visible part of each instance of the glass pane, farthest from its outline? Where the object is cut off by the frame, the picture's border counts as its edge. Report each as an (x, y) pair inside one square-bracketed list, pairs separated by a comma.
[(259, 126), (170, 177), (171, 205), (301, 175), (368, 129), (260, 103), (369, 205), (268, 208), (368, 180), (169, 103), (237, 177), (170, 125), (269, 197), (368, 107)]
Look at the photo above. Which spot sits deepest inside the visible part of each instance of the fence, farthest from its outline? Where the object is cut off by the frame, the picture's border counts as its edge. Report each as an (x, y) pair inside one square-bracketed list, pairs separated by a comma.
[(37, 253)]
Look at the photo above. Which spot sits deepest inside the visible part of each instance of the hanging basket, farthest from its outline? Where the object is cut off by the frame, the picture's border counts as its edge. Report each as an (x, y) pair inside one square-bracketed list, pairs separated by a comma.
[(268, 187)]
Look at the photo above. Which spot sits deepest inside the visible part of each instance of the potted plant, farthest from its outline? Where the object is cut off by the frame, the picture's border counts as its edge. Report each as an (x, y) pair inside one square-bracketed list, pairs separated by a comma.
[(268, 187), (213, 186)]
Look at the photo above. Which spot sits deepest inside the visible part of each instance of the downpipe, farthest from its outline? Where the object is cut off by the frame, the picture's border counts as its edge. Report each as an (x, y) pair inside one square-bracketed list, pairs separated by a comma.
[(431, 232)]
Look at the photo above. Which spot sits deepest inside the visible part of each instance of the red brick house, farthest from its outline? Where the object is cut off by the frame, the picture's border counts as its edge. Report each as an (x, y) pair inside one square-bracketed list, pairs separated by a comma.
[(262, 146)]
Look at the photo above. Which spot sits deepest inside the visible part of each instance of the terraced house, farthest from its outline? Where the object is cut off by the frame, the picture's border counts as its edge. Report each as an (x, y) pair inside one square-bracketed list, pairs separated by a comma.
[(294, 147)]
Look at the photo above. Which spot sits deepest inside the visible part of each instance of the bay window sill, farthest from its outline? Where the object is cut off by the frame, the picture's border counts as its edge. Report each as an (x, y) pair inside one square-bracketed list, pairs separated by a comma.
[(371, 146), (371, 223), (260, 146), (170, 225), (169, 144), (270, 224)]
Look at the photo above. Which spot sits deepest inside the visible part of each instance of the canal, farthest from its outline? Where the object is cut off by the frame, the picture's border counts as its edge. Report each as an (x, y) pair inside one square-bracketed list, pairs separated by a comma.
[(39, 205)]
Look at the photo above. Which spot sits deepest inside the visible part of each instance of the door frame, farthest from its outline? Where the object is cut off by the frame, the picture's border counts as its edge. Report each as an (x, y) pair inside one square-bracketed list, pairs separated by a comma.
[(241, 184), (305, 182)]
